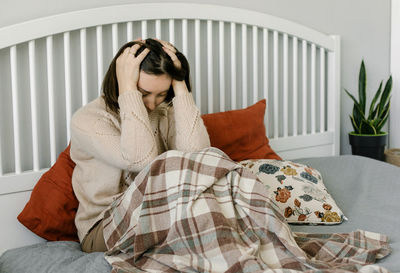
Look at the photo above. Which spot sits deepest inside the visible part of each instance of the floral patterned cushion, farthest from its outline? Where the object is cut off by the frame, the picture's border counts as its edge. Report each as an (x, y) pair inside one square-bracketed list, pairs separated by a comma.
[(297, 190)]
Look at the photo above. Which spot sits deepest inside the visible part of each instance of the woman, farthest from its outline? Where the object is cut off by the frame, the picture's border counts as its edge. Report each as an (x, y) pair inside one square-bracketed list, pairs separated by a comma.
[(146, 109)]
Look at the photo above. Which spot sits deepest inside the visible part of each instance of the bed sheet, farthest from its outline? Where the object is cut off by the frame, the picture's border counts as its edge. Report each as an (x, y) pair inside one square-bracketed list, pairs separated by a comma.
[(368, 192), (60, 257)]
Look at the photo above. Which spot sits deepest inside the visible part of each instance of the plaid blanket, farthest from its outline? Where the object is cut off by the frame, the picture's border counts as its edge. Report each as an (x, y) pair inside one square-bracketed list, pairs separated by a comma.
[(203, 212)]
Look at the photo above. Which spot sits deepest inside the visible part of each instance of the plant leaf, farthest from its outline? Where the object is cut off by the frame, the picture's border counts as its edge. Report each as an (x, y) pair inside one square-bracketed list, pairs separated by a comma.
[(362, 82), (384, 118), (366, 128), (375, 122), (380, 125), (371, 108), (356, 104), (385, 96), (357, 117), (355, 127)]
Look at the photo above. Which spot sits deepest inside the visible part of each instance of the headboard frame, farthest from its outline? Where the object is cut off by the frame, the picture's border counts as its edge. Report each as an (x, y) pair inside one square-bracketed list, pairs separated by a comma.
[(50, 67)]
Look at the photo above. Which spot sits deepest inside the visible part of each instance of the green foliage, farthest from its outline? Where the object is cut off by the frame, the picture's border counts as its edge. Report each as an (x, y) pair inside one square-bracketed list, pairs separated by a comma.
[(371, 122)]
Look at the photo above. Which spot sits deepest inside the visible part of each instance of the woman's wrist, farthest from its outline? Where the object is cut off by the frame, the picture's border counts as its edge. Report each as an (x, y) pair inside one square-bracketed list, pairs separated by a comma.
[(179, 87)]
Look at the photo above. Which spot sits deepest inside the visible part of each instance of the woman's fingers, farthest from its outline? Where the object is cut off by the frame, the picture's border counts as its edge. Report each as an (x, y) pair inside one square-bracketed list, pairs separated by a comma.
[(175, 59), (170, 50), (133, 49), (127, 67), (142, 54), (167, 45)]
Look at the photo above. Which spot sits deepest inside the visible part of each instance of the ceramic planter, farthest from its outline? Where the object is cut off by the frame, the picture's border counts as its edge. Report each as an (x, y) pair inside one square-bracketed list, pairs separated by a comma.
[(372, 146)]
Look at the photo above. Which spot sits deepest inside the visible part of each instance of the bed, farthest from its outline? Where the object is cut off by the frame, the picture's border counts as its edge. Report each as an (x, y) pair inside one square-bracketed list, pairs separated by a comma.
[(52, 66)]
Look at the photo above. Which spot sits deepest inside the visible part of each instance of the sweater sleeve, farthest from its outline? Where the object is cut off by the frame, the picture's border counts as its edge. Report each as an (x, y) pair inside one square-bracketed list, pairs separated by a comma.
[(130, 147), (186, 128)]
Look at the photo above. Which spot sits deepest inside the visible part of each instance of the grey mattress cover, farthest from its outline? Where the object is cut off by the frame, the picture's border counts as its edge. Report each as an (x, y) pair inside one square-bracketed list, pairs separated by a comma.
[(366, 190)]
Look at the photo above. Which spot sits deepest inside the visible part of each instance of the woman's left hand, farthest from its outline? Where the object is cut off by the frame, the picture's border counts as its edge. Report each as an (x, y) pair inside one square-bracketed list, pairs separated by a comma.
[(178, 86)]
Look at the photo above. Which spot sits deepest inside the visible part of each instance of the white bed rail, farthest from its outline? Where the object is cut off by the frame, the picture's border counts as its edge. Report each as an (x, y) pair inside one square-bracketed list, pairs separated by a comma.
[(54, 65)]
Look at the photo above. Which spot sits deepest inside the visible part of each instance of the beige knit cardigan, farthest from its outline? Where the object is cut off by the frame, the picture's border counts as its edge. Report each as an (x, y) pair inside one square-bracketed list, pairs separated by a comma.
[(110, 149)]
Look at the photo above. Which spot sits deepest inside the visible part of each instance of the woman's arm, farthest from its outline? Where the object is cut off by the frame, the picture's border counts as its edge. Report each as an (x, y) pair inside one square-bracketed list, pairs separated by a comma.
[(186, 128), (130, 147), (131, 144)]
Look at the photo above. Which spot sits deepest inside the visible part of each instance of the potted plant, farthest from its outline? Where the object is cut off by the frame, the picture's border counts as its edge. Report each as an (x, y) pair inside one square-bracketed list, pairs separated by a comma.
[(367, 139)]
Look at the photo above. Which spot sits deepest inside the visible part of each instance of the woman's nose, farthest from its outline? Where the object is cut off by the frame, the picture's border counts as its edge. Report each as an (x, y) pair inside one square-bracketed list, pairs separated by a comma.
[(150, 104)]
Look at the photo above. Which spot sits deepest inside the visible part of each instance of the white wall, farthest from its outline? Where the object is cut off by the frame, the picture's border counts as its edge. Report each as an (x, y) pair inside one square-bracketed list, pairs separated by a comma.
[(395, 69), (364, 27)]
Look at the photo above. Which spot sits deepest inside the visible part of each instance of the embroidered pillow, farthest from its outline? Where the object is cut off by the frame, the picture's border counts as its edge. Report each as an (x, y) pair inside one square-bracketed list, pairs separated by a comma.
[(240, 133), (298, 190)]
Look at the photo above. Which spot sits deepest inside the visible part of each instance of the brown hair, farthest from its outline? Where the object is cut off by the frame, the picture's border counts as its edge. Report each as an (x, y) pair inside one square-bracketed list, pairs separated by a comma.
[(157, 62)]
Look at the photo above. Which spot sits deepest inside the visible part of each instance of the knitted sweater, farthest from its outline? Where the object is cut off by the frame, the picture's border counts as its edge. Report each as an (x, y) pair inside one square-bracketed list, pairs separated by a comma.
[(109, 148)]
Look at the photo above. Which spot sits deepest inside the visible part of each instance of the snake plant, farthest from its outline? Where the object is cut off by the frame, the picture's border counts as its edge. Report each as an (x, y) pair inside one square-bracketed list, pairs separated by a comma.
[(371, 122)]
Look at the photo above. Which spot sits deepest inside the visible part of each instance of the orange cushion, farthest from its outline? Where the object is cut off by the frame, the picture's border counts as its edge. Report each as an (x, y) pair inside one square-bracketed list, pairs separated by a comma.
[(240, 133), (50, 212)]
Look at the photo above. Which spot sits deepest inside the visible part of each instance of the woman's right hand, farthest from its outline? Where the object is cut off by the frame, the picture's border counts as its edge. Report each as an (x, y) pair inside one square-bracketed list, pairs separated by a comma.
[(127, 68)]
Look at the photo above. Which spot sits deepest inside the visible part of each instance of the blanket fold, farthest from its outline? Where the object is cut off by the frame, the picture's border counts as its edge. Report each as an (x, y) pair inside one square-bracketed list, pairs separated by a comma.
[(203, 212)]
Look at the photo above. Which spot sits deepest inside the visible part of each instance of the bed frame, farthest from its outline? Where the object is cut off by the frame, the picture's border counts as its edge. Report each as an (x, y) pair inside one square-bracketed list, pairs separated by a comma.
[(50, 67)]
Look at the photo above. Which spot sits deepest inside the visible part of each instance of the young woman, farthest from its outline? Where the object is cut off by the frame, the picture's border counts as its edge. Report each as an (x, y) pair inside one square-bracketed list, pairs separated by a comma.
[(146, 109)]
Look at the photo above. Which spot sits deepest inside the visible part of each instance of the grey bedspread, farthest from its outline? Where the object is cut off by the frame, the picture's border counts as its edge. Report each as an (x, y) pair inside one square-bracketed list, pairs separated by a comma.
[(49, 257), (368, 192)]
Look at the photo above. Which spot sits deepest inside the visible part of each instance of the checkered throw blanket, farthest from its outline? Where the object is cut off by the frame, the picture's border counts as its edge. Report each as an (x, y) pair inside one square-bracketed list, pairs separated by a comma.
[(202, 212)]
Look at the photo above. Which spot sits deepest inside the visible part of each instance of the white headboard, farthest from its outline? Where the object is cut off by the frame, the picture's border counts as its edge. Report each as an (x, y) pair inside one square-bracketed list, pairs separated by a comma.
[(51, 66)]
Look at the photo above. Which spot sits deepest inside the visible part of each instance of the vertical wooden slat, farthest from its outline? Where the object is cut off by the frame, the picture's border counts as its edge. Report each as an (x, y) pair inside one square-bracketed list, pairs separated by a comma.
[(265, 70), (114, 31), (244, 65), (255, 64), (129, 32), (295, 83), (185, 37), (322, 89), (198, 64), (221, 67), (16, 121), (32, 83), (210, 79), (313, 78), (67, 72), (158, 29), (144, 30), (172, 31), (276, 85), (50, 86), (99, 43), (285, 85), (233, 66), (84, 67), (304, 88), (333, 93)]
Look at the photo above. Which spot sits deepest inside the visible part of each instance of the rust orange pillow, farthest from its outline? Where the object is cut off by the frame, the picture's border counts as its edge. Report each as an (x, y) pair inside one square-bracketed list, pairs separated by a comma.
[(50, 211), (240, 133)]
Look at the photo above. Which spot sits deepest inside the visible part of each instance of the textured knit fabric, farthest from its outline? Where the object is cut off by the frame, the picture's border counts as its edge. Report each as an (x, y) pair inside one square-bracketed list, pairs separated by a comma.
[(110, 149)]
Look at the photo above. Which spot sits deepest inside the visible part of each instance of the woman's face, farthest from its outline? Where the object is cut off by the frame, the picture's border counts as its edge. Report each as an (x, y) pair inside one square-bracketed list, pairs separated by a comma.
[(154, 89)]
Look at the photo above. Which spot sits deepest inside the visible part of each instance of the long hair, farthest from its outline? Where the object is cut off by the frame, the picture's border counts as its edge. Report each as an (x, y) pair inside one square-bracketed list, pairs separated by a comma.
[(156, 62)]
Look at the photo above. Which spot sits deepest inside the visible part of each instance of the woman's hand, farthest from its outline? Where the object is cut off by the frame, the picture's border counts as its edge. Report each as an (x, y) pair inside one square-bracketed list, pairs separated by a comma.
[(127, 67), (178, 86)]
